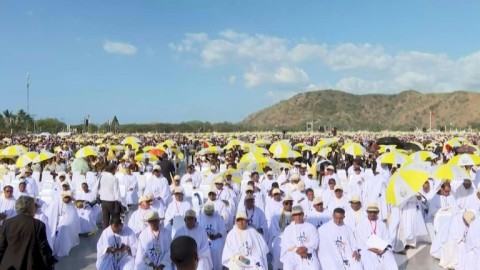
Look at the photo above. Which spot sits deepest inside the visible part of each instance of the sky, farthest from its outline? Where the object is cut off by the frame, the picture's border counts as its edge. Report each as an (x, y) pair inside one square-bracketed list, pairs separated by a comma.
[(174, 61)]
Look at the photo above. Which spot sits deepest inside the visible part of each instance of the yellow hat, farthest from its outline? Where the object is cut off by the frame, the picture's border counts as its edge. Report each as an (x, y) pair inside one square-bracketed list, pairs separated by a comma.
[(373, 207), (317, 200), (468, 216)]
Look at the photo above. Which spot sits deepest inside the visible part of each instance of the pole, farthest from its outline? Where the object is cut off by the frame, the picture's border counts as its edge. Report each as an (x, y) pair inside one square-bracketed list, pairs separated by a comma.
[(430, 121), (28, 94)]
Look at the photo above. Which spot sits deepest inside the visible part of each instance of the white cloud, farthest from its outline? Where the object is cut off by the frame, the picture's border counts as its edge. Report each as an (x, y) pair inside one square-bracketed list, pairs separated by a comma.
[(269, 61), (232, 79), (119, 48), (291, 75)]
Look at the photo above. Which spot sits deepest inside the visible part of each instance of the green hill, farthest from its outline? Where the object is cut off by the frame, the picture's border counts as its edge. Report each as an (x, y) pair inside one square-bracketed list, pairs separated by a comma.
[(404, 111)]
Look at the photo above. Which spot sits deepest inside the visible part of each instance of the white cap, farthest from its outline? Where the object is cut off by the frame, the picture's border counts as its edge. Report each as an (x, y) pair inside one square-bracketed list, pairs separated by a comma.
[(157, 167), (241, 215), (190, 213), (151, 215)]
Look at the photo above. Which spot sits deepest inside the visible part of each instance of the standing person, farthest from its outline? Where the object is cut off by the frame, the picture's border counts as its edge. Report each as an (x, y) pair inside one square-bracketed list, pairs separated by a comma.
[(109, 193), (23, 239), (183, 253), (168, 169)]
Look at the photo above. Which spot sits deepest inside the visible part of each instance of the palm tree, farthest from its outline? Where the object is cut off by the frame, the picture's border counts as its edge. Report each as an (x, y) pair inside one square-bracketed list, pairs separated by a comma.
[(8, 118)]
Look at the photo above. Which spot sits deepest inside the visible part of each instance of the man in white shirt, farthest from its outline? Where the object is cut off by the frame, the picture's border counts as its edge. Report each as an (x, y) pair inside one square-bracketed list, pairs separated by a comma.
[(158, 186), (109, 192)]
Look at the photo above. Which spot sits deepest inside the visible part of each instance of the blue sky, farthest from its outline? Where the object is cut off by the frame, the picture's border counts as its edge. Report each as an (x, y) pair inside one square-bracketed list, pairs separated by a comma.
[(172, 61)]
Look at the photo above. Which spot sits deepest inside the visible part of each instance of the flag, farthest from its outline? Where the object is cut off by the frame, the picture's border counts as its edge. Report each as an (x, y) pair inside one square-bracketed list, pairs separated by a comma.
[(432, 113)]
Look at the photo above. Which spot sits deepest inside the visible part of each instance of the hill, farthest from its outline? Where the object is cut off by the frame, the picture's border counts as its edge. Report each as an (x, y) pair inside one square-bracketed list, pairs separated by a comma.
[(403, 111)]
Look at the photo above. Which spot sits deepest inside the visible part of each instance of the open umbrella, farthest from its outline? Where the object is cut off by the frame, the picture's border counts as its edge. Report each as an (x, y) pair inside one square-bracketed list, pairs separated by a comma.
[(210, 150), (144, 156), (262, 142), (449, 172), (422, 156), (80, 165), (13, 151), (392, 158), (405, 184), (326, 142), (44, 155), (389, 141), (465, 160), (86, 151), (466, 149), (354, 149), (23, 161), (409, 146), (131, 140)]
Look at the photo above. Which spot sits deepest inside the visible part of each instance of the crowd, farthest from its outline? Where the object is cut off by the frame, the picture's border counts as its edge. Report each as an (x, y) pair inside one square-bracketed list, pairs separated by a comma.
[(305, 202)]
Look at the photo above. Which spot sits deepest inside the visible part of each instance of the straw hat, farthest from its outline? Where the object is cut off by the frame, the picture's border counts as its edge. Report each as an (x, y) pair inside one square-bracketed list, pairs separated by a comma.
[(373, 207)]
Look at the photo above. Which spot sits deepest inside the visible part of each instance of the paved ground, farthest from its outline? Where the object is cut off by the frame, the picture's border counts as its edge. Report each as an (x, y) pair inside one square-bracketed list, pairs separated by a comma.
[(84, 256)]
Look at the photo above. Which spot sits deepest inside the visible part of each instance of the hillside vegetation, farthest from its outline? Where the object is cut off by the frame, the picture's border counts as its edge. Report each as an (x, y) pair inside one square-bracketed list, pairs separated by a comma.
[(404, 111)]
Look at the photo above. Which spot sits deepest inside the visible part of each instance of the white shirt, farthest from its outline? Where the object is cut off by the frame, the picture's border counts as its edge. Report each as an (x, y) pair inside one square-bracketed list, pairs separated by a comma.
[(109, 189)]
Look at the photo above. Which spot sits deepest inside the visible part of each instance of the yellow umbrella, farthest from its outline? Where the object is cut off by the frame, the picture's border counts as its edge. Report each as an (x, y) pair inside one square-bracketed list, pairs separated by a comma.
[(169, 143), (252, 157), (86, 151), (262, 142), (131, 140), (57, 149), (210, 150), (280, 147), (23, 160), (383, 148), (392, 158), (289, 153), (405, 184), (14, 151), (233, 143), (299, 146), (449, 172), (44, 155), (327, 141), (144, 156), (465, 160), (323, 152), (422, 156), (235, 174), (354, 149)]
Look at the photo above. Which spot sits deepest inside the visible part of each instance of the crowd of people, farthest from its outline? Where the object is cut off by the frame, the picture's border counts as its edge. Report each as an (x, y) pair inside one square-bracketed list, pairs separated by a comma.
[(312, 209)]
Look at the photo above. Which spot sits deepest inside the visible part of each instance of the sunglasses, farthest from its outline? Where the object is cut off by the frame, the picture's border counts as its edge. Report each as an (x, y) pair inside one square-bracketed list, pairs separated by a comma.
[(288, 203), (372, 212), (8, 191)]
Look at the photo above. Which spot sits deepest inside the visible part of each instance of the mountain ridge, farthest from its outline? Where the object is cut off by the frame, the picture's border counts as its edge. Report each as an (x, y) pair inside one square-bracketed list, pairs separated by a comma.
[(405, 110)]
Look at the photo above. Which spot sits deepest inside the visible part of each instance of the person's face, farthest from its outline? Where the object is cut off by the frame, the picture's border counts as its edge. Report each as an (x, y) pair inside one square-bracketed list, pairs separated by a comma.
[(66, 199), (190, 222), (329, 172), (212, 196), (241, 223), (298, 218), (318, 207), (66, 187), (219, 186), (8, 192), (357, 172), (355, 206), (85, 187), (277, 197), (228, 177), (117, 228), (426, 185), (179, 197), (310, 195), (467, 184), (338, 218), (255, 177), (372, 215), (128, 171), (22, 187), (287, 206), (338, 193), (156, 173), (446, 189), (145, 205), (154, 224), (189, 170), (331, 185), (249, 204)]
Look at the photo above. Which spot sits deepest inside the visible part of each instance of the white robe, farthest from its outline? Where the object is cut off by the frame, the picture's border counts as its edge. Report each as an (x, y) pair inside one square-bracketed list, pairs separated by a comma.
[(336, 247), (275, 231), (64, 224), (136, 222), (317, 219), (153, 249), (88, 215), (353, 218), (203, 249), (453, 243), (7, 207), (159, 188), (334, 202), (118, 260), (470, 259), (271, 207), (441, 208), (247, 243), (299, 235), (371, 260), (214, 224), (176, 208), (130, 182)]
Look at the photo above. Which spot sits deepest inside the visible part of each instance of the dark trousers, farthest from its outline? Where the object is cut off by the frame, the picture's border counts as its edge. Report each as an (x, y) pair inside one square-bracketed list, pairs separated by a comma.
[(109, 211)]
